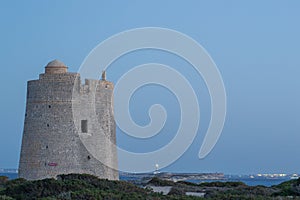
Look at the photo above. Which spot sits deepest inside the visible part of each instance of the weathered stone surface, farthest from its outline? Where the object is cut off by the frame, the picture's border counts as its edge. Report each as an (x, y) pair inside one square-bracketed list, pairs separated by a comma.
[(54, 141)]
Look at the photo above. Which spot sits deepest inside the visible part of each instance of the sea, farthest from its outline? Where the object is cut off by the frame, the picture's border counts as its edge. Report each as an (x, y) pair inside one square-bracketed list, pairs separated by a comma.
[(10, 175), (248, 181)]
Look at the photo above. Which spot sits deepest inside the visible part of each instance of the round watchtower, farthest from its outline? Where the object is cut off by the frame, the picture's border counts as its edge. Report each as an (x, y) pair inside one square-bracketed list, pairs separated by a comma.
[(57, 140)]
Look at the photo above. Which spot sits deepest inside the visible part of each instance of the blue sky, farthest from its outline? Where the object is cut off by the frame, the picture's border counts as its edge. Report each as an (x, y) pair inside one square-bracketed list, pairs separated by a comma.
[(255, 45)]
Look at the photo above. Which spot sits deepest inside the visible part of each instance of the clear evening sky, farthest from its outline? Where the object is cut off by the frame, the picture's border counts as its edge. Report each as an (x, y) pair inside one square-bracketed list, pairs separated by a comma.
[(255, 44)]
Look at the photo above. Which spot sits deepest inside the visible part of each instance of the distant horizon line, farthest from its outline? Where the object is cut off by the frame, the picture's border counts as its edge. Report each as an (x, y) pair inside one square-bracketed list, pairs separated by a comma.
[(15, 170)]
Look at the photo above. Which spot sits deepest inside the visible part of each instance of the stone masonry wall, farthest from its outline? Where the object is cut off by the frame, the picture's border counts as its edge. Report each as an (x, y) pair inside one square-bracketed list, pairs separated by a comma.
[(53, 142)]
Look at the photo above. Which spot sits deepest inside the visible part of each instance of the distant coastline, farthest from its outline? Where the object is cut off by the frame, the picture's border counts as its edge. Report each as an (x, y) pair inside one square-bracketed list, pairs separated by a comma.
[(8, 170), (137, 179)]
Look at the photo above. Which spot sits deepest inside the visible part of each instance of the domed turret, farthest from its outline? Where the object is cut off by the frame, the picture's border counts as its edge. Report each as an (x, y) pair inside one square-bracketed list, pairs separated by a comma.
[(56, 67)]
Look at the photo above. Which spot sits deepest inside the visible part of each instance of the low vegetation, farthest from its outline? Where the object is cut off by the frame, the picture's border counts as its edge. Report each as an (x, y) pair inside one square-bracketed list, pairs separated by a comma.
[(76, 186)]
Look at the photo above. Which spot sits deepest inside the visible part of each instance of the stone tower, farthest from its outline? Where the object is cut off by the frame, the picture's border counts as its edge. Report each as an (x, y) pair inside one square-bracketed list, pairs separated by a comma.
[(69, 126)]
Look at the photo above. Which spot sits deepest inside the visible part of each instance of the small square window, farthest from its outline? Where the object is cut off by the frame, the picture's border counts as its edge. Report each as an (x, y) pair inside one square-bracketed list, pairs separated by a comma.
[(84, 126)]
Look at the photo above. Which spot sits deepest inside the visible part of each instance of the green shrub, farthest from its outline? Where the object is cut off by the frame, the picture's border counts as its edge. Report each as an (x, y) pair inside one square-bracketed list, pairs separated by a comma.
[(4, 197), (160, 182), (222, 184), (3, 180)]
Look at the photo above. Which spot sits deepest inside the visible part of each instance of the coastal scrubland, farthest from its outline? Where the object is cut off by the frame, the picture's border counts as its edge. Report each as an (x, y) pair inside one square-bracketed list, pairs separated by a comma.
[(83, 186)]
